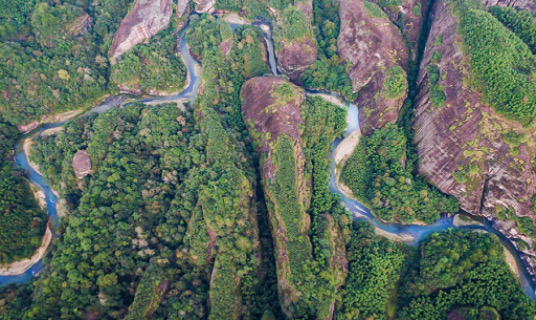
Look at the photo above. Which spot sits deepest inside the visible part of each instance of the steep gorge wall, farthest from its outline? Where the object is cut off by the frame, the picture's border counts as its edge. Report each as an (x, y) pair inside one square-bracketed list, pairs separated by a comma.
[(370, 44), (462, 146), (144, 21)]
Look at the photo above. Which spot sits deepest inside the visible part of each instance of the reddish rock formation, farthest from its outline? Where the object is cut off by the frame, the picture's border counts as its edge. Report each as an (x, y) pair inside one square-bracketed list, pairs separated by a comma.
[(370, 45), (411, 13), (81, 164), (271, 108), (294, 56), (467, 137), (226, 46), (306, 6), (144, 21), (258, 94)]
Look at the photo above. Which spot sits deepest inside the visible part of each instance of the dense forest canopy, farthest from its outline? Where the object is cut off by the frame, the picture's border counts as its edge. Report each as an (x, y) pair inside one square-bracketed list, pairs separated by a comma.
[(57, 59), (22, 222)]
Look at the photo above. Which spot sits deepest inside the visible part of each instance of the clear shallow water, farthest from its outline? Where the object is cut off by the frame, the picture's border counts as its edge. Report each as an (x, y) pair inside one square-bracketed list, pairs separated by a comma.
[(417, 232)]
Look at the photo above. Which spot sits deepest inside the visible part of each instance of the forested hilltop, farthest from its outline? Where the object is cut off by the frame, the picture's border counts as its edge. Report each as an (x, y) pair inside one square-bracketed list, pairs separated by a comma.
[(237, 198)]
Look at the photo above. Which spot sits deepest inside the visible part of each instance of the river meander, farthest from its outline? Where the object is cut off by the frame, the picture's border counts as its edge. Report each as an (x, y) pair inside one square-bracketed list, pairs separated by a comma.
[(410, 234)]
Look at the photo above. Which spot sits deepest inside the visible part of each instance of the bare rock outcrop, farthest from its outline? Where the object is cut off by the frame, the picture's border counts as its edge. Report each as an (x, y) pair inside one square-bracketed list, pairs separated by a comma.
[(203, 6), (144, 21), (305, 6), (461, 145), (81, 25), (371, 44), (183, 11), (81, 164), (272, 116), (295, 57), (411, 14)]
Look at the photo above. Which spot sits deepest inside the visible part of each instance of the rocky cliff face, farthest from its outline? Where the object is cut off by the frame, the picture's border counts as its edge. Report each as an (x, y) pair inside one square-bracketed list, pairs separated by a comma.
[(183, 11), (144, 21), (271, 108), (411, 14), (465, 148), (203, 6), (370, 44)]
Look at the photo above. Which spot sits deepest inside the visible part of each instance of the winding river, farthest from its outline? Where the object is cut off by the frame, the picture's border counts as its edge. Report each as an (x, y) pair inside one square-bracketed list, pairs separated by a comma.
[(410, 234)]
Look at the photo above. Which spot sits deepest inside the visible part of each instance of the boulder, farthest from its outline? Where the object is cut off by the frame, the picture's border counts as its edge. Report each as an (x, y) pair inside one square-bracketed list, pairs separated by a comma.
[(295, 57), (81, 164), (145, 20)]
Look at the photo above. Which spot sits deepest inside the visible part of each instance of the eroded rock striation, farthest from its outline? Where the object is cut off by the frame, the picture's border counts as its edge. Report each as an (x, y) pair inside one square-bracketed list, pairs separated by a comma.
[(465, 148), (370, 44), (144, 21)]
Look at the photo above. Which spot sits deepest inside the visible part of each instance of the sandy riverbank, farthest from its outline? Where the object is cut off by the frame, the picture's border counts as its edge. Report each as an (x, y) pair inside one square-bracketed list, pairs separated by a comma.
[(21, 266), (346, 148), (511, 261), (234, 18), (50, 132), (458, 221), (39, 196), (26, 146)]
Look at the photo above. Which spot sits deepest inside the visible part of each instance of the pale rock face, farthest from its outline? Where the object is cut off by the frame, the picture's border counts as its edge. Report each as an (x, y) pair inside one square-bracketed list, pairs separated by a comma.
[(466, 132), (205, 6), (182, 7), (81, 164), (145, 20), (183, 11)]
